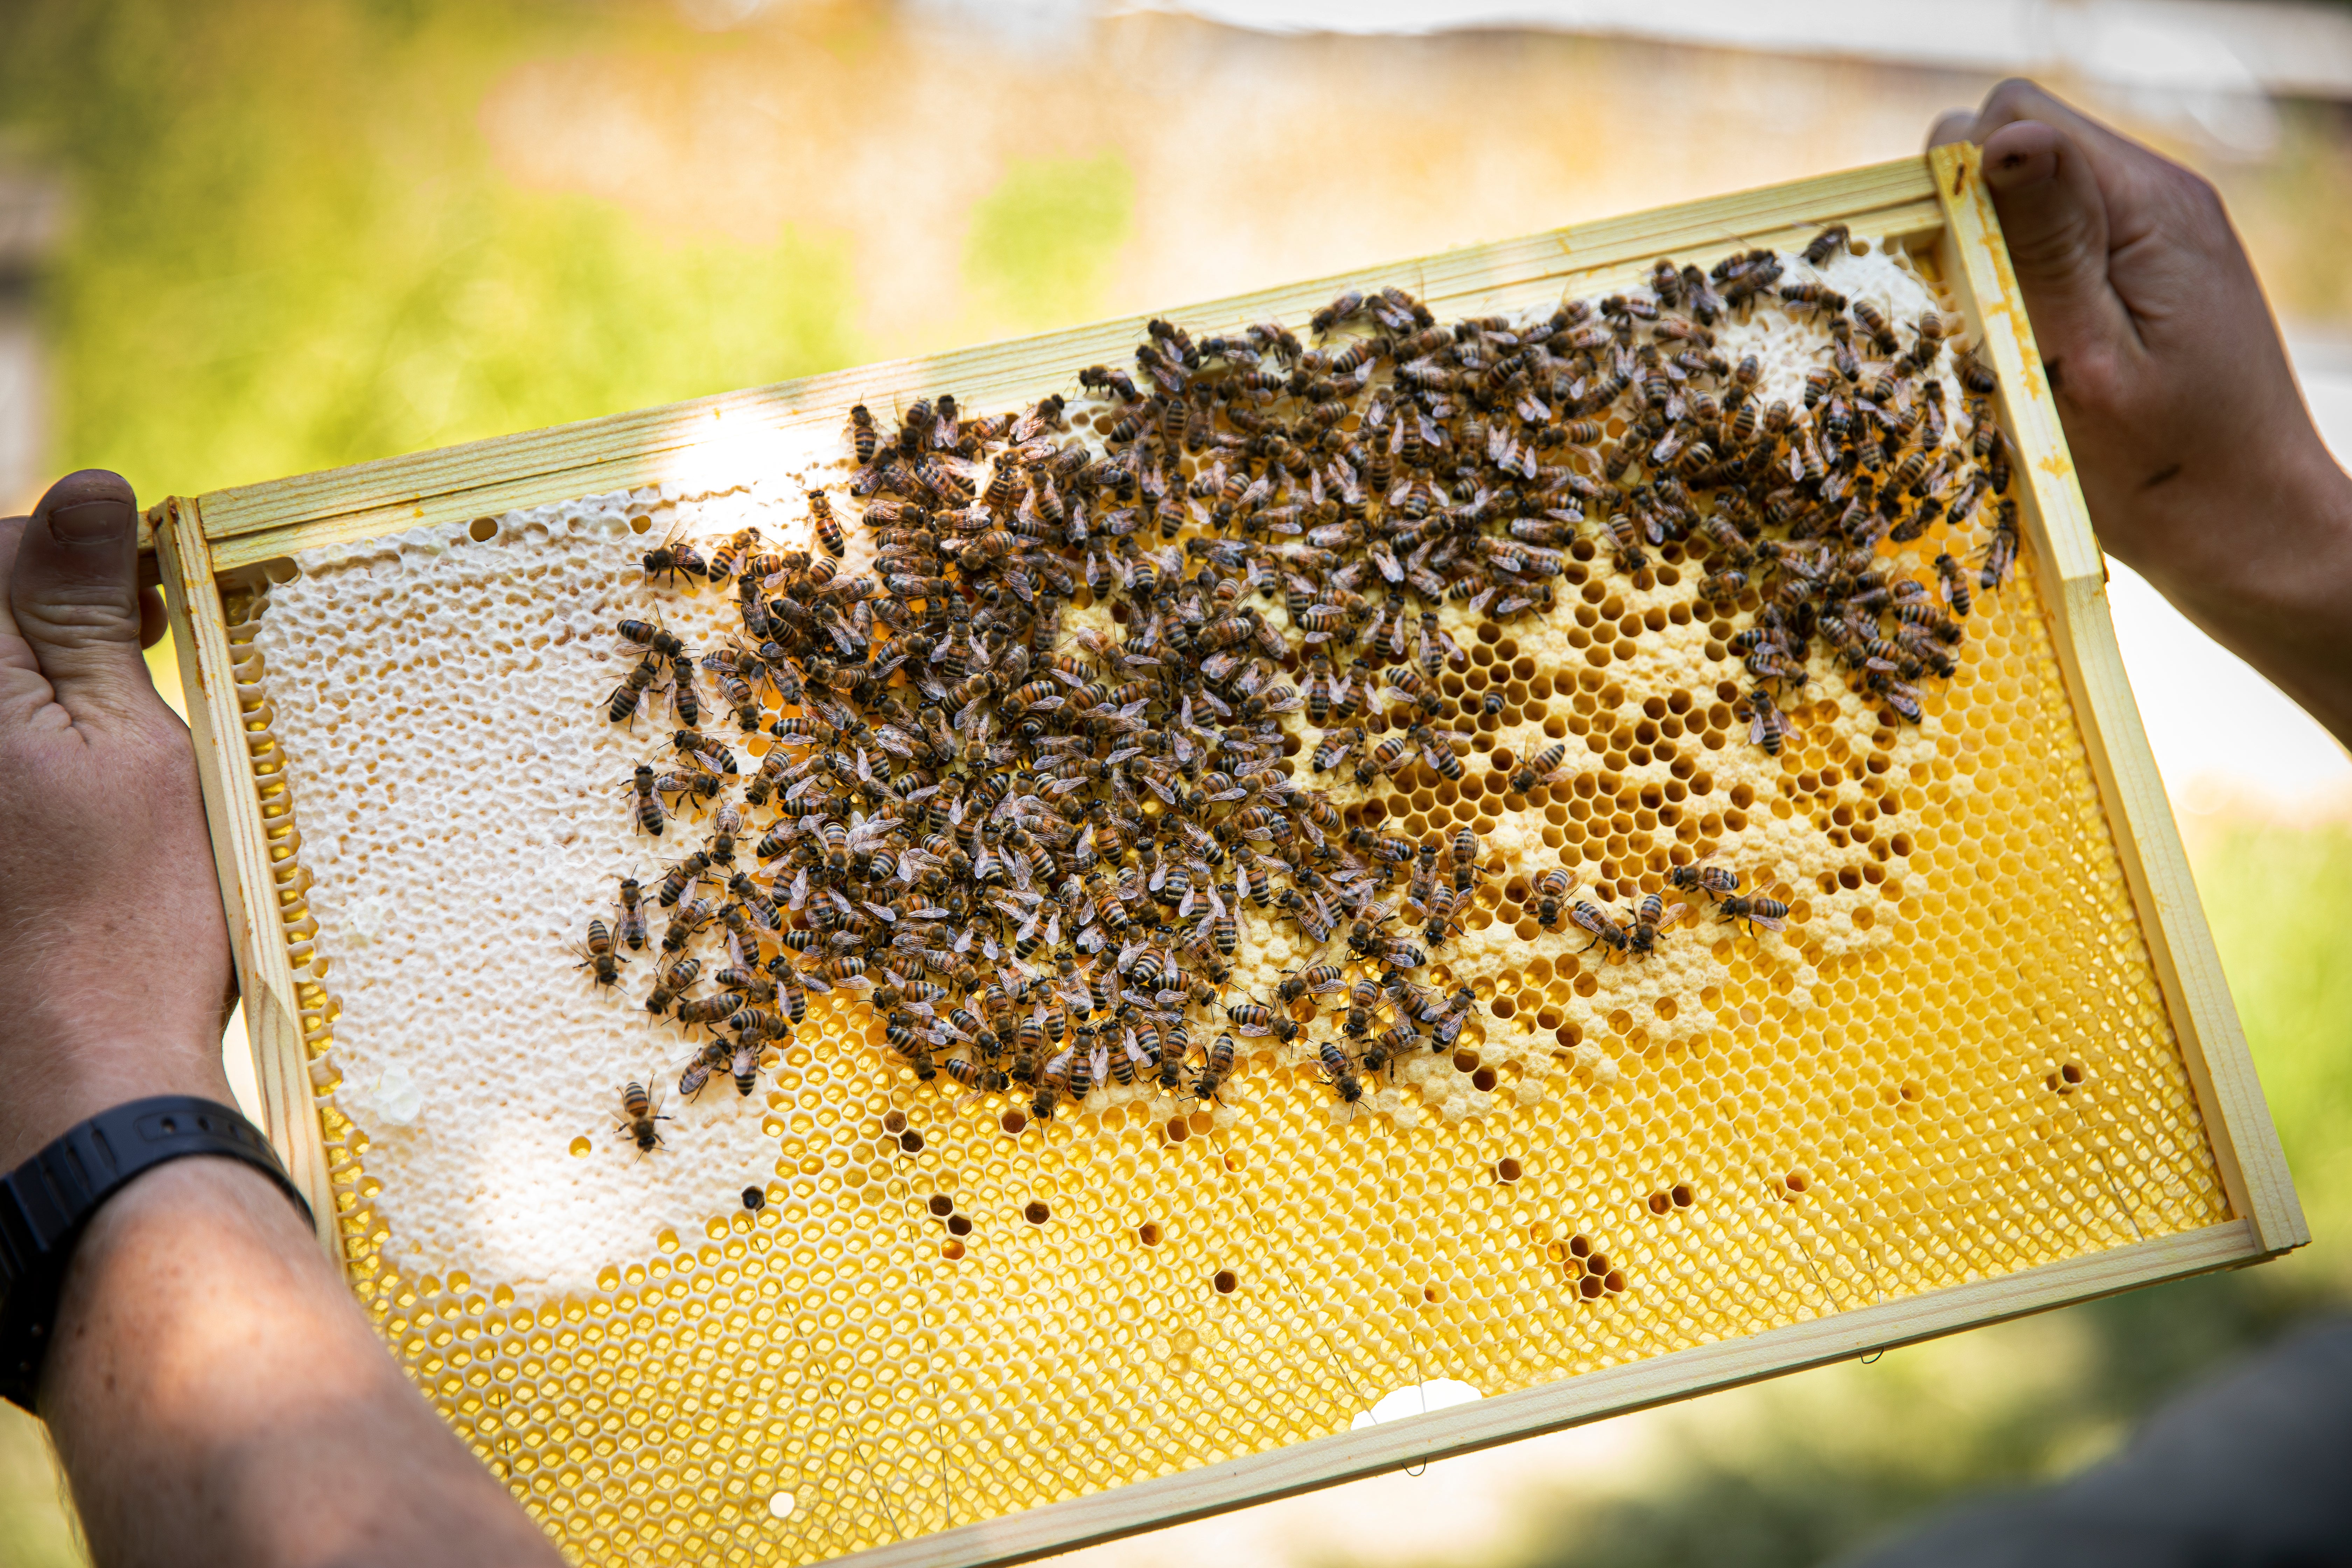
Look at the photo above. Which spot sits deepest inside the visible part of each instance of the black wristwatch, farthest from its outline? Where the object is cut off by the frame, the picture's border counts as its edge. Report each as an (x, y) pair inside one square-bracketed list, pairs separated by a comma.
[(47, 1200)]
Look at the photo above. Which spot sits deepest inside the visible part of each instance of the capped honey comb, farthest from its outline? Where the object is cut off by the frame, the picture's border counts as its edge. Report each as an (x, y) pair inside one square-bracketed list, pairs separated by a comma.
[(1956, 1063)]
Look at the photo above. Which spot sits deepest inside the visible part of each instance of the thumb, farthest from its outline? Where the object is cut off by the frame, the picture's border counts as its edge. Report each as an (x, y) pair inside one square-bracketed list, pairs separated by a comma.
[(74, 594), (2055, 218)]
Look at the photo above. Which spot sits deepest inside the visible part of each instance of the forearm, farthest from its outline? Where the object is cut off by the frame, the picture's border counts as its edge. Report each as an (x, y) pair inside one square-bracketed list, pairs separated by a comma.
[(217, 1396), (2281, 599)]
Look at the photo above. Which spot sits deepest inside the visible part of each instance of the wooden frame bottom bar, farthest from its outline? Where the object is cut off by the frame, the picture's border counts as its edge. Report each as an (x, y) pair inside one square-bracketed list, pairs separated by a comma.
[(1142, 1506)]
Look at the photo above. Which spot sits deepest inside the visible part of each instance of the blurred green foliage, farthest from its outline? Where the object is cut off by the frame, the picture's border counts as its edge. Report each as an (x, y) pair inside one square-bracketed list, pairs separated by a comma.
[(1044, 241), (291, 250), (37, 1531), (2281, 906)]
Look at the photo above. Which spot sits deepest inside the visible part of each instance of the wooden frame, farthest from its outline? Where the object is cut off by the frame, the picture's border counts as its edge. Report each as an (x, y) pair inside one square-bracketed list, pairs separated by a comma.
[(1934, 206)]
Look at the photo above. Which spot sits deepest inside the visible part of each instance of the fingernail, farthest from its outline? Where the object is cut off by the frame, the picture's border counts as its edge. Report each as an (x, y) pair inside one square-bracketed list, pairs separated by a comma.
[(100, 521)]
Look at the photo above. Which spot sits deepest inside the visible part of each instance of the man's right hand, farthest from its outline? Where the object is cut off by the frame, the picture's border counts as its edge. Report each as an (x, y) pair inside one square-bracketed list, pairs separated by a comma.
[(2190, 436)]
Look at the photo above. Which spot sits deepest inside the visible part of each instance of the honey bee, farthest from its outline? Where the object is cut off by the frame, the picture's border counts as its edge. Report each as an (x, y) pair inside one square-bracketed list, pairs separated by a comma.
[(1224, 929), (1955, 580), (705, 1010), (647, 805), (1769, 914), (1103, 378), (745, 1066), (1340, 1073), (1831, 241), (725, 826), (652, 634), (863, 436), (1256, 1018), (1882, 335), (696, 1075), (1440, 925), (828, 527), (1437, 649), (639, 1115), (1345, 308), (680, 877), (1552, 892), (696, 914), (1335, 748), (675, 556), (684, 700), (1319, 980), (1605, 931), (1974, 373), (1714, 880), (975, 1075), (631, 927), (1767, 726), (2001, 554), (1449, 1020), (1435, 751), (670, 982), (1463, 853), (789, 990), (1544, 767), (911, 1044), (621, 706), (728, 558), (1652, 912), (1215, 1067), (600, 956)]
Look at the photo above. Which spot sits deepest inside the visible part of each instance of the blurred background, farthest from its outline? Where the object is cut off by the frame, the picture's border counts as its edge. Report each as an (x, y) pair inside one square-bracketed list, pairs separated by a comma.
[(253, 238)]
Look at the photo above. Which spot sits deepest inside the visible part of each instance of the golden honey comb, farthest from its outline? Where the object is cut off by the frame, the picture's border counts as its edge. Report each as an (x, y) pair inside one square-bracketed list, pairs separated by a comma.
[(1957, 1065), (845, 1347)]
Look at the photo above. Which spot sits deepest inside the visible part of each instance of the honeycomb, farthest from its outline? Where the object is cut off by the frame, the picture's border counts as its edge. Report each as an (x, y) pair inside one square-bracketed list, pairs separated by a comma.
[(1955, 1063)]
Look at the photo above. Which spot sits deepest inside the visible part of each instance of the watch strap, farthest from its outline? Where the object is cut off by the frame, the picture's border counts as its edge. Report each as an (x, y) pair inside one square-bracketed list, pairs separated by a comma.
[(45, 1202)]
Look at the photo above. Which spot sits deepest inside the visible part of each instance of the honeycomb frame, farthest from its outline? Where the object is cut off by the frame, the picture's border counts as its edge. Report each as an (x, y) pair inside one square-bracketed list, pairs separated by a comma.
[(218, 550)]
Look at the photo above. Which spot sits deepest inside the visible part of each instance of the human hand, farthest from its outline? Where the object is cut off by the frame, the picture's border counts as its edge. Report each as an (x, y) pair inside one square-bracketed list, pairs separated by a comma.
[(111, 934), (2194, 449)]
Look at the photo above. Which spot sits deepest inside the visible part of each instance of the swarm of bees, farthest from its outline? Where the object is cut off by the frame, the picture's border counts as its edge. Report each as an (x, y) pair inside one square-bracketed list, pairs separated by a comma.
[(1031, 844)]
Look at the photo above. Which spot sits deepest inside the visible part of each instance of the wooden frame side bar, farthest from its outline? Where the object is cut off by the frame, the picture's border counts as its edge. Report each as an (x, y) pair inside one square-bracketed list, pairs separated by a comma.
[(1465, 1428), (241, 855), (2147, 841), (256, 522)]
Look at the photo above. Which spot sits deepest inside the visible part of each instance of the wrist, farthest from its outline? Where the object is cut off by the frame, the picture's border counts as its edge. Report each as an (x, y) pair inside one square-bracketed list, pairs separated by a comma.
[(49, 1085), (2274, 581), (49, 1204)]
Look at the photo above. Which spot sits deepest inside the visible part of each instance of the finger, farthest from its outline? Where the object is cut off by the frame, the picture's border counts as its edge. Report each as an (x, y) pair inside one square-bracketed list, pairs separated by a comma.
[(2055, 220), (10, 528), (24, 690), (1952, 125), (74, 595), (2114, 159), (153, 624)]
